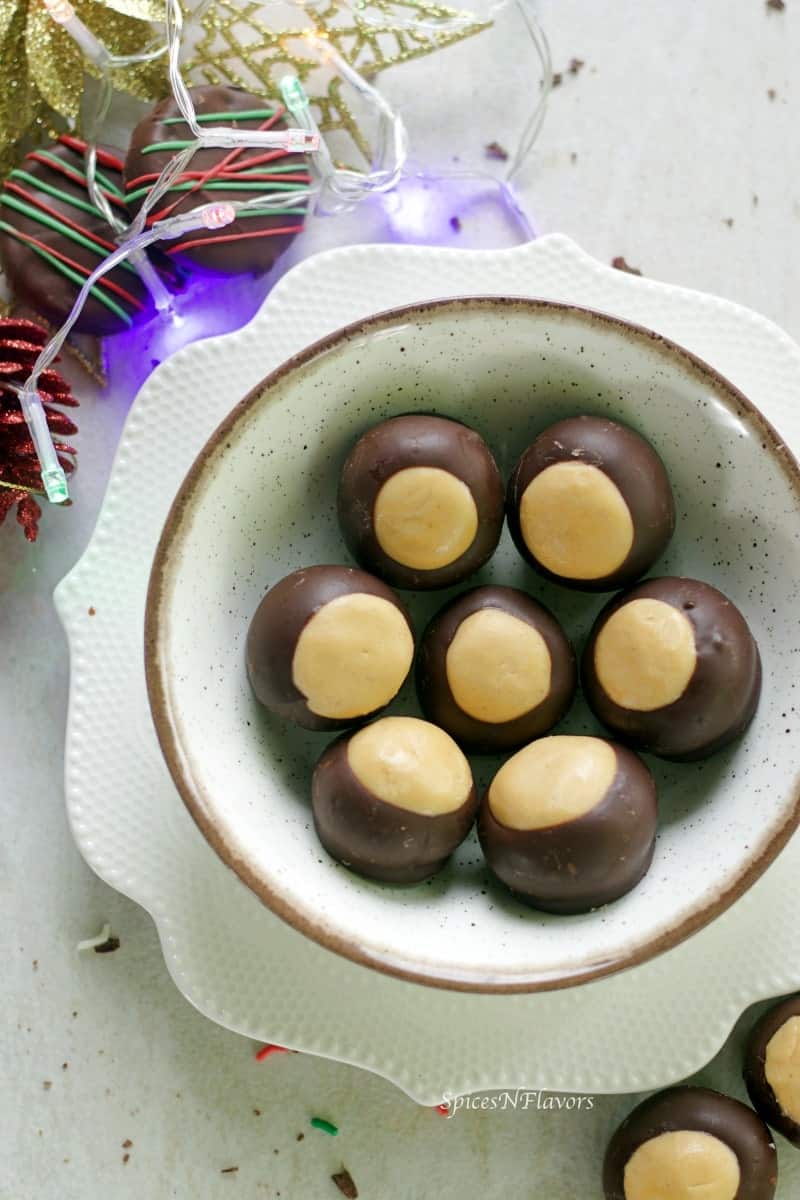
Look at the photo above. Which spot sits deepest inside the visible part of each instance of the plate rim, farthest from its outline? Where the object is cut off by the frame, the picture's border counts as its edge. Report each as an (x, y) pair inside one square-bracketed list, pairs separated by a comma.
[(176, 760)]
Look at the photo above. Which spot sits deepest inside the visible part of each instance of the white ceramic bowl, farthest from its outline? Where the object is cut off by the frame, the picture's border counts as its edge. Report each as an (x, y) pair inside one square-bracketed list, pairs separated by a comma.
[(260, 502)]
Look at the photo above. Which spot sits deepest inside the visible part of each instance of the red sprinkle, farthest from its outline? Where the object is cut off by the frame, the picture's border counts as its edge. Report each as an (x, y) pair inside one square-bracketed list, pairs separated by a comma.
[(268, 1049), (443, 1110)]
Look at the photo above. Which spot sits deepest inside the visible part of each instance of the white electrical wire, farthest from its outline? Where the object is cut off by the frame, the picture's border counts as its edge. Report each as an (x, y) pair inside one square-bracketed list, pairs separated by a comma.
[(334, 189)]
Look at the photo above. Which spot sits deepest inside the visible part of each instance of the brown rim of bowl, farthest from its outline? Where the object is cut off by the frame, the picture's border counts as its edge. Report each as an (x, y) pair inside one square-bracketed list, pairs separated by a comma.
[(175, 759)]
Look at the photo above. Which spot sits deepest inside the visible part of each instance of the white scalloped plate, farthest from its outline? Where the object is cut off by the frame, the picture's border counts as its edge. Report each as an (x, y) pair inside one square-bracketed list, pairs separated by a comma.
[(229, 955)]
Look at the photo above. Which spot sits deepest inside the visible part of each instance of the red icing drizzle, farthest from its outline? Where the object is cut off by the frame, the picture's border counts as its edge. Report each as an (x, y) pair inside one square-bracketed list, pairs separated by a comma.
[(62, 168), (231, 237), (33, 200), (76, 266), (103, 156), (221, 173)]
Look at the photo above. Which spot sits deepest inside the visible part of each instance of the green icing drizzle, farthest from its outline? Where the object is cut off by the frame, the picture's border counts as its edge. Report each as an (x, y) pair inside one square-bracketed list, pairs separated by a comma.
[(12, 201), (223, 186), (63, 269), (102, 179), (156, 146), (247, 114), (65, 197)]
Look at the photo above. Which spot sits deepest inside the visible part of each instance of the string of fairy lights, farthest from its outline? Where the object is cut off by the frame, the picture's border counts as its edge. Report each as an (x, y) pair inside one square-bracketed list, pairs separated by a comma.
[(331, 188)]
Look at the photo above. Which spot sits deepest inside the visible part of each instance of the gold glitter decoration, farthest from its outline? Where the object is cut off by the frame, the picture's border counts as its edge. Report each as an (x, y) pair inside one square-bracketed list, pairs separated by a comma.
[(42, 70), (80, 348), (252, 46)]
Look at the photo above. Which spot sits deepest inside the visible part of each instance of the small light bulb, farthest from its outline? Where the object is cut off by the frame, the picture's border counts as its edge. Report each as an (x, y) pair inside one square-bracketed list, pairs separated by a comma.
[(218, 215), (60, 10)]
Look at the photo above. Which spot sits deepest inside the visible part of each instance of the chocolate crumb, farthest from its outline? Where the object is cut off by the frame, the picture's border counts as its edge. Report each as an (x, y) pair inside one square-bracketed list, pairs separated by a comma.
[(621, 265), (778, 5), (575, 65), (75, 1013), (728, 221), (126, 1145), (495, 150), (455, 224), (64, 1066), (257, 1112), (92, 611), (47, 1084), (108, 946), (125, 1157), (299, 1137), (35, 964), (344, 1182), (771, 93), (229, 1170), (557, 79)]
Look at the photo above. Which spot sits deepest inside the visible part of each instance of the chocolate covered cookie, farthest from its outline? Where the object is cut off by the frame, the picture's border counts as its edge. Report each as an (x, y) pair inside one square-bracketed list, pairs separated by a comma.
[(52, 237), (253, 242)]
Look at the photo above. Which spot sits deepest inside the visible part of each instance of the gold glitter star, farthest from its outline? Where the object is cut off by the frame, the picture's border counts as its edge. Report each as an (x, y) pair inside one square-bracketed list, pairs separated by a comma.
[(43, 72), (246, 45)]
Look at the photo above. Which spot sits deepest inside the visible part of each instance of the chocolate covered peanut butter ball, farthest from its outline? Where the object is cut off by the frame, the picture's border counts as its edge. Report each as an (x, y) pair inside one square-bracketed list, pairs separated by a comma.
[(328, 647), (421, 501), (495, 669), (589, 504), (393, 800), (671, 667), (772, 1068), (569, 823), (689, 1142)]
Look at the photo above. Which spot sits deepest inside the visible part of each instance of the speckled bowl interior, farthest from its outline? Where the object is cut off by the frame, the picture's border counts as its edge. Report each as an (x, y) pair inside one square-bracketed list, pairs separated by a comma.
[(260, 502)]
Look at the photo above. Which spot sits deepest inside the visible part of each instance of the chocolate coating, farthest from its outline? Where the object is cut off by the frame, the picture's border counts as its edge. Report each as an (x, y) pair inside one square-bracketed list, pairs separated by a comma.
[(250, 244), (698, 1110), (375, 838), (630, 463), (43, 199), (761, 1094), (277, 624), (433, 687), (722, 695), (584, 863), (418, 440)]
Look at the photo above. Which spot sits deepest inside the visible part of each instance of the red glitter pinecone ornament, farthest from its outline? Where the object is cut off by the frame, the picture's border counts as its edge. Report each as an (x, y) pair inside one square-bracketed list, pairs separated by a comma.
[(20, 478)]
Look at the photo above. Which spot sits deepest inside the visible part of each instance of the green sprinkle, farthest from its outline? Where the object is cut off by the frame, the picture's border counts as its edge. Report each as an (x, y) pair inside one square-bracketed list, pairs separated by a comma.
[(248, 114), (325, 1126)]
